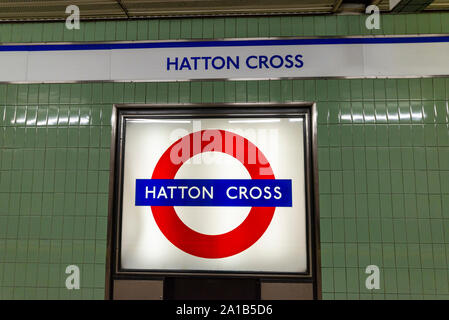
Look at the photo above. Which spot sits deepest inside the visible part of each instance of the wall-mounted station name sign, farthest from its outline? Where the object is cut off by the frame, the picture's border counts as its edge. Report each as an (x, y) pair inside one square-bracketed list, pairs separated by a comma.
[(215, 194), (411, 56)]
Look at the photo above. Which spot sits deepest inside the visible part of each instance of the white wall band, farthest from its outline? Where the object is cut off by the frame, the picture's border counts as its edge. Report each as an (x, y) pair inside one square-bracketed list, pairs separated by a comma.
[(382, 57)]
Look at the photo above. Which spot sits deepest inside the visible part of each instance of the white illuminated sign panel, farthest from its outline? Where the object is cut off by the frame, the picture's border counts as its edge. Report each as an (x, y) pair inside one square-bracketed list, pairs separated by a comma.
[(214, 194)]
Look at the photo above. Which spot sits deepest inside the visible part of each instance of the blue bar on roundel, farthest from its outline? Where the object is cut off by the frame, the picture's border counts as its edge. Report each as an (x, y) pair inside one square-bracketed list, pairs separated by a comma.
[(214, 192)]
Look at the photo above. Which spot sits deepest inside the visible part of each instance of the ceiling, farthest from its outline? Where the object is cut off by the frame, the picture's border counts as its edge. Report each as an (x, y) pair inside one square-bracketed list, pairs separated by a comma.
[(434, 5), (20, 10)]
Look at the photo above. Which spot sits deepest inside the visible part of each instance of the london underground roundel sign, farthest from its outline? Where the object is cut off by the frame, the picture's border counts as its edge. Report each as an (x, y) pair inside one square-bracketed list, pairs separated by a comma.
[(155, 234), (223, 245)]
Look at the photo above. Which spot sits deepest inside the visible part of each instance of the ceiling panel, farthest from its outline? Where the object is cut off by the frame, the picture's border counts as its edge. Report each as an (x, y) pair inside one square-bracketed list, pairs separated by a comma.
[(442, 5), (194, 7), (55, 9), (439, 5)]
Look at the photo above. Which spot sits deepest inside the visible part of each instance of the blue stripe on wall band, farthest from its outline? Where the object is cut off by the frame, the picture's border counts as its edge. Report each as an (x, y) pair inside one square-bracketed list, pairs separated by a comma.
[(222, 43)]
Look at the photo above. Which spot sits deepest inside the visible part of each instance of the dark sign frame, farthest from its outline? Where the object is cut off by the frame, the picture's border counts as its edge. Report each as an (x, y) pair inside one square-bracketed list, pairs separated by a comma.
[(121, 112)]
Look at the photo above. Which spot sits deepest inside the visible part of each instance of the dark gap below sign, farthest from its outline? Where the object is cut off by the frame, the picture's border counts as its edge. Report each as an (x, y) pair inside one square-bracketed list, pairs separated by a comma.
[(176, 288)]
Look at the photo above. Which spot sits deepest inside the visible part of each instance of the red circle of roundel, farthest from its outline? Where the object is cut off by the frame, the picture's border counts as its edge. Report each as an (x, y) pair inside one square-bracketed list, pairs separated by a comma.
[(221, 245)]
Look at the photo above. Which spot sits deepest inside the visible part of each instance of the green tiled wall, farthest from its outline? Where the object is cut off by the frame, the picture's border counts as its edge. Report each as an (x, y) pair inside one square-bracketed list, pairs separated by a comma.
[(383, 161)]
